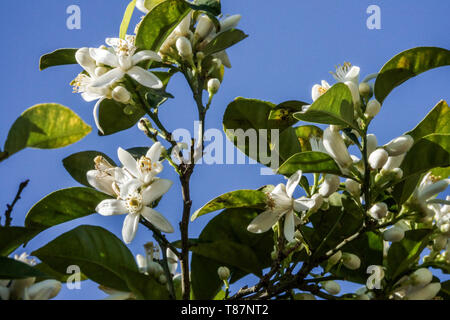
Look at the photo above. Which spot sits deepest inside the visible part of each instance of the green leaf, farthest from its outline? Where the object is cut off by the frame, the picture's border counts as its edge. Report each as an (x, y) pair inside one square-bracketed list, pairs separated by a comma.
[(58, 58), (334, 107), (403, 254), (406, 65), (61, 277), (13, 237), (437, 122), (223, 41), (100, 255), (369, 248), (305, 133), (234, 199), (45, 126), (404, 189), (308, 162), (78, 164), (126, 19), (63, 206), (212, 6), (115, 116), (225, 241), (145, 287), (432, 150), (159, 23), (284, 111), (150, 4), (13, 269), (247, 119)]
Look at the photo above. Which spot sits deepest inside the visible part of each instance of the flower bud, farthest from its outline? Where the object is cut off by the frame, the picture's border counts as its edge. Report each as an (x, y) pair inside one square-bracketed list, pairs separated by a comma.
[(335, 258), (304, 296), (394, 234), (213, 86), (184, 48), (398, 173), (426, 293), (318, 201), (200, 55), (204, 27), (372, 109), (230, 22), (421, 277), (365, 90), (394, 162), (44, 290), (120, 94), (378, 210), (439, 243), (372, 143), (331, 287), (162, 279), (432, 189), (399, 145), (155, 269), (353, 187), (378, 158), (224, 273), (144, 124), (335, 146), (351, 261), (362, 297), (330, 185)]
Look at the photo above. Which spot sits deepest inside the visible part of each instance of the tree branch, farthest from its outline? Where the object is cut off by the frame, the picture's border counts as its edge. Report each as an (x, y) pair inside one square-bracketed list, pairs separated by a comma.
[(10, 207)]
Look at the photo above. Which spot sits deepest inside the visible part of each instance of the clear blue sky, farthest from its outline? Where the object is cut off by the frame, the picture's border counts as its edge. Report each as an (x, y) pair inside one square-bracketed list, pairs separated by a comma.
[(292, 45)]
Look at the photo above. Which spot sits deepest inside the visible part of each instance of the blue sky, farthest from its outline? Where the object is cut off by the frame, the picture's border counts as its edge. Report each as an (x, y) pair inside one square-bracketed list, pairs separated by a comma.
[(292, 45)]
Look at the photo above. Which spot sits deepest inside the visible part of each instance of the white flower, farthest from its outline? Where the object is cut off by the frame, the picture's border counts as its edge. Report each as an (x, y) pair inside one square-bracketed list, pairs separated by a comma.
[(378, 210), (426, 190), (347, 72), (103, 177), (124, 61), (319, 89), (335, 146), (330, 185), (281, 203), (147, 167), (134, 201)]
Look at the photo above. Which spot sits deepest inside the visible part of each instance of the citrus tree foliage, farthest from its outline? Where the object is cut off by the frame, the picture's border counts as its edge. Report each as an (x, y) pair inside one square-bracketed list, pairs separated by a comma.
[(365, 218)]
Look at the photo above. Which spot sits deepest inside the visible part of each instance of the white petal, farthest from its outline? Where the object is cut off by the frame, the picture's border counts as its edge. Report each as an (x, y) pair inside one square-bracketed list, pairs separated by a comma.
[(157, 219), (101, 181), (303, 204), (96, 115), (130, 226), (145, 55), (130, 187), (128, 162), (263, 222), (121, 176), (155, 190), (144, 77), (223, 56), (289, 226), (293, 183), (111, 207), (140, 4), (104, 56), (315, 94), (154, 153), (108, 78), (90, 96), (44, 290)]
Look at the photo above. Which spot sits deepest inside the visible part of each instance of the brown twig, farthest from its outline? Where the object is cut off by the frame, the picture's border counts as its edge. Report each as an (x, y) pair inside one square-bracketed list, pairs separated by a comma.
[(10, 207)]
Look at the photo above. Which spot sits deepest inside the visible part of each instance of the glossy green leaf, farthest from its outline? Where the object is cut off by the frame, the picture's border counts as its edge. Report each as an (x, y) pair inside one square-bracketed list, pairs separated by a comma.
[(334, 107), (226, 242), (150, 4), (436, 122), (432, 150), (235, 199), (78, 164), (406, 65), (100, 255), (58, 58), (13, 237), (308, 162), (403, 254), (61, 277), (144, 287), (224, 40), (212, 6), (159, 23), (126, 19), (13, 269), (45, 126), (63, 206), (305, 133), (115, 116), (247, 119)]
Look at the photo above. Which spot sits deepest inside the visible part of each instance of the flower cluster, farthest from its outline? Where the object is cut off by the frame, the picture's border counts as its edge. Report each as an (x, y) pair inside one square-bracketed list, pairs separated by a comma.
[(135, 186), (28, 288)]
